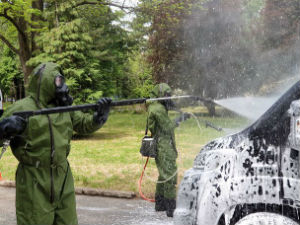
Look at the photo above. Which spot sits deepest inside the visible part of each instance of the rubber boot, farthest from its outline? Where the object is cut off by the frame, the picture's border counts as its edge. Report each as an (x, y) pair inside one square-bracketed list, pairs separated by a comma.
[(160, 203), (170, 206)]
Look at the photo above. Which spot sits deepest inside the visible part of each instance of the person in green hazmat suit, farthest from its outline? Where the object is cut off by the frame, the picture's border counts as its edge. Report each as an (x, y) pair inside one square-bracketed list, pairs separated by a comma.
[(162, 129), (44, 182)]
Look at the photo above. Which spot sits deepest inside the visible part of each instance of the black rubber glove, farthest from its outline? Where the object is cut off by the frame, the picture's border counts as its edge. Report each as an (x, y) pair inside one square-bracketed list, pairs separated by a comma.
[(181, 118), (12, 126), (101, 115)]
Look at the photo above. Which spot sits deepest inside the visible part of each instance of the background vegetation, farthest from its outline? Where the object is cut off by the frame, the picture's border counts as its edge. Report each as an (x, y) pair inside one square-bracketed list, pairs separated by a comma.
[(211, 48)]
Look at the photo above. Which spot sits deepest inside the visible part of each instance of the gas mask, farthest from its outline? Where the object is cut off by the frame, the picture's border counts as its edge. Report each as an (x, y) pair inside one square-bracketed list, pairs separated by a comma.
[(62, 97), (169, 104)]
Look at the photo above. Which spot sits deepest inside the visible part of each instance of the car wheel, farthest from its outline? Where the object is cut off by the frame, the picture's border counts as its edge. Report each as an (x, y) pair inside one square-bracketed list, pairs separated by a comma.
[(265, 218)]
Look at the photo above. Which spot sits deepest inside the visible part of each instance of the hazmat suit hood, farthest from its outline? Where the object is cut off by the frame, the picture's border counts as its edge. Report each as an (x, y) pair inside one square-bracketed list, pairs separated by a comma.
[(163, 90), (41, 85)]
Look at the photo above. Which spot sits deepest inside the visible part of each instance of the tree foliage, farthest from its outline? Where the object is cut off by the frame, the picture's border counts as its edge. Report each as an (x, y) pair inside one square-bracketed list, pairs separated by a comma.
[(25, 17), (217, 48), (9, 73), (212, 48), (281, 25), (140, 76), (190, 43), (85, 38)]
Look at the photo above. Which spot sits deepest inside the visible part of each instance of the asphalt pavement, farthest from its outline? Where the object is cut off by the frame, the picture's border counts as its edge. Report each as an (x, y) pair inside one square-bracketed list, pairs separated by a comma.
[(95, 210)]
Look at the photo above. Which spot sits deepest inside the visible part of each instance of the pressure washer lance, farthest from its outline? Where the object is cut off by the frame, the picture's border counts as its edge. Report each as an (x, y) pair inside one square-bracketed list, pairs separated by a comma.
[(47, 111), (62, 109)]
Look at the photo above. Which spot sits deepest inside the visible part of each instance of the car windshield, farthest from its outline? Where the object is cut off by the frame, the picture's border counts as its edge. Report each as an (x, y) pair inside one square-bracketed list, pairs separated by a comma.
[(275, 113)]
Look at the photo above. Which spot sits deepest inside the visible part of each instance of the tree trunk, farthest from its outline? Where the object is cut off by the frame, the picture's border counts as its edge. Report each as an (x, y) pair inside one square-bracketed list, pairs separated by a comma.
[(27, 43), (25, 55), (211, 109)]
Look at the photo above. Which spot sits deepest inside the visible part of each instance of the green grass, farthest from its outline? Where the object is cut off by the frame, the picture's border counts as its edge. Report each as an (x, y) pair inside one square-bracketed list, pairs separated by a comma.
[(6, 104), (110, 158)]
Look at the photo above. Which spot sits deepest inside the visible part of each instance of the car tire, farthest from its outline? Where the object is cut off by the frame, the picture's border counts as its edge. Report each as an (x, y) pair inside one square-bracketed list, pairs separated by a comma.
[(265, 218)]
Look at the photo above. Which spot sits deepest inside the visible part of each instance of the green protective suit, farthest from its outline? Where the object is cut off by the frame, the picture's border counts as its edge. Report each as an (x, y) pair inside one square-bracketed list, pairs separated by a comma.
[(162, 128), (44, 182)]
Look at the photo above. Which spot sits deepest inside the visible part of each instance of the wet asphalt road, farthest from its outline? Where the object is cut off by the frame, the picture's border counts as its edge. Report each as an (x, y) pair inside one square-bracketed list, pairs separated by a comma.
[(95, 210)]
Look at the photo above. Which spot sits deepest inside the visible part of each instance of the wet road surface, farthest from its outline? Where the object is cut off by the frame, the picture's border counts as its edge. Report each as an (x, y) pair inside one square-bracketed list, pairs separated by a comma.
[(95, 210)]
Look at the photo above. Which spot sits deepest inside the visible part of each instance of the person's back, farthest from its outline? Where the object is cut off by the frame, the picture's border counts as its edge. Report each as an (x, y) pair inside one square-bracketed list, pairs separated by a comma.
[(163, 125)]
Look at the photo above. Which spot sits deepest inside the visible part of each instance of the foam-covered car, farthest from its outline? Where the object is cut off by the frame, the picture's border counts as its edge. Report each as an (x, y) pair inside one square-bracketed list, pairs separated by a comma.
[(252, 177)]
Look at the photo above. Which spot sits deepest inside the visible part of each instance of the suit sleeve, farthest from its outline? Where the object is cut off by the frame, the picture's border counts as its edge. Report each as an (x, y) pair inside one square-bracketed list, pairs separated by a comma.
[(83, 123), (7, 113)]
